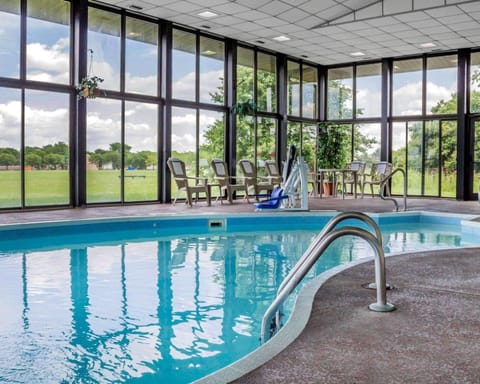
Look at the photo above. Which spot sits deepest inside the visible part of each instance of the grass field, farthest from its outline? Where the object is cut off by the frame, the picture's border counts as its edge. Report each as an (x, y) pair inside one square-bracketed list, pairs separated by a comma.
[(52, 187)]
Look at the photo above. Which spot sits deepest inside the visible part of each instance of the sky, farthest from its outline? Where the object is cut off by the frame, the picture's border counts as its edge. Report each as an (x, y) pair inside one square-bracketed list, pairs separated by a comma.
[(48, 60)]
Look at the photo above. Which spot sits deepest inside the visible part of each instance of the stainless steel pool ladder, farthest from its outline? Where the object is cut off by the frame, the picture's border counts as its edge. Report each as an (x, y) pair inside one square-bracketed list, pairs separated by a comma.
[(271, 320), (384, 183)]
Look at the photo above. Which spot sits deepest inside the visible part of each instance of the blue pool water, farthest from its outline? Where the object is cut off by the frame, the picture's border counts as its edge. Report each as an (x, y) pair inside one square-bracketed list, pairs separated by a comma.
[(162, 300)]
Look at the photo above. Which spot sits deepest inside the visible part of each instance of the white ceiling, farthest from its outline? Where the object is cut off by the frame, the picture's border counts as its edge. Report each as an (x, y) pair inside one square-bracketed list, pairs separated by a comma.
[(329, 31)]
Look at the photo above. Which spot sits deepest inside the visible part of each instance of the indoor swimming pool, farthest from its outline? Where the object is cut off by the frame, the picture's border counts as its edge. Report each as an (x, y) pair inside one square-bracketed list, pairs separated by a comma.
[(169, 299)]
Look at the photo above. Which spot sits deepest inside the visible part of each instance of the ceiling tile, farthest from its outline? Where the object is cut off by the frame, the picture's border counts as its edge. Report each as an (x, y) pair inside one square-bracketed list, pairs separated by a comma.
[(271, 22), (473, 6), (374, 10), (293, 15), (422, 4), (231, 8), (184, 7), (463, 18), (412, 16), (208, 3), (275, 8), (396, 6), (444, 11), (252, 15), (311, 21), (315, 6)]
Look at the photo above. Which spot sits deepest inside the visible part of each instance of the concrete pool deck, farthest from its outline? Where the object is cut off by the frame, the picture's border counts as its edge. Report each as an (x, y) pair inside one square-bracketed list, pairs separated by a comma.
[(432, 337)]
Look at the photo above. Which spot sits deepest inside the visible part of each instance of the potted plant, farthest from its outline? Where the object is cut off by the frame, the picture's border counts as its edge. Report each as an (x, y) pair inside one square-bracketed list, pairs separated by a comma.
[(332, 148), (88, 87)]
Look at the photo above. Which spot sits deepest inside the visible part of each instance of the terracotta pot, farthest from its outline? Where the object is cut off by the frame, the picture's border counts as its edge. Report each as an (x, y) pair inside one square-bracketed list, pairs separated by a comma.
[(328, 188)]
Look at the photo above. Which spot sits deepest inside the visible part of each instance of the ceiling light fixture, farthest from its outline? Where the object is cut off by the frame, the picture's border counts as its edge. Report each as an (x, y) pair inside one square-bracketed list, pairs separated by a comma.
[(260, 41), (207, 14), (136, 7), (281, 38), (357, 54), (428, 45), (208, 52)]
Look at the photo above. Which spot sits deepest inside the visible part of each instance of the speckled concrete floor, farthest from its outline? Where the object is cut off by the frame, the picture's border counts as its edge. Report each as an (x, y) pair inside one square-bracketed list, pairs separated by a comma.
[(432, 337)]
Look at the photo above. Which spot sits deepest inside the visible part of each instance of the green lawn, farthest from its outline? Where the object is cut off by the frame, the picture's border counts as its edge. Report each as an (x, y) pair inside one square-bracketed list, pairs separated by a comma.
[(52, 187)]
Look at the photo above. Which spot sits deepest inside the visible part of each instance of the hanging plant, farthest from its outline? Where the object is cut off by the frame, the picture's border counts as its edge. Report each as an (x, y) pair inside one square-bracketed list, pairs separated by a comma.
[(245, 108), (89, 85)]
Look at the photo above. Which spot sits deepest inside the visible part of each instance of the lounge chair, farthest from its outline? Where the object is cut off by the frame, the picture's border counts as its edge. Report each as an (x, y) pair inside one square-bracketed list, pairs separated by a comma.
[(273, 173), (227, 185), (273, 202), (379, 172), (252, 180), (184, 182), (348, 178)]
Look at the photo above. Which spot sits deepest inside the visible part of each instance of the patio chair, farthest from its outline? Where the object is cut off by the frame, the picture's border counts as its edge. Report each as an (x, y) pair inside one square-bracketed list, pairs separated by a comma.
[(187, 184), (348, 178), (379, 172), (252, 180), (227, 185), (273, 173)]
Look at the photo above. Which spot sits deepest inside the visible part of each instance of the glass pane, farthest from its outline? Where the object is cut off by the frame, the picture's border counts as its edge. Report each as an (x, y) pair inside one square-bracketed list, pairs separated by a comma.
[(431, 174), (309, 137), (103, 150), (141, 57), (407, 87), (309, 91), (294, 135), (293, 88), (212, 70), (10, 38), (448, 158), (399, 152), (245, 74), (475, 83), (183, 65), (339, 93), (476, 157), (184, 139), (212, 137), (47, 126), (245, 138), (266, 82), (266, 134), (10, 144), (367, 142), (414, 157), (48, 41), (441, 84), (369, 90), (104, 39), (140, 177)]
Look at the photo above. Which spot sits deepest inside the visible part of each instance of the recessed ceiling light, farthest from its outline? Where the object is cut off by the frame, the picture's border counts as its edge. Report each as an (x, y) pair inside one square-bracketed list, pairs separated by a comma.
[(428, 45), (356, 54), (281, 38), (207, 14), (208, 52)]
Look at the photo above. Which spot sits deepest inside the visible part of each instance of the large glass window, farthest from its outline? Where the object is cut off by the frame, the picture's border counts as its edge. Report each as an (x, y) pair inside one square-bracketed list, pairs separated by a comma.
[(10, 148), (212, 70), (48, 41), (340, 93), (441, 84), (104, 39), (10, 38), (140, 151), (367, 142), (309, 91), (141, 56), (407, 87), (266, 82), (183, 65), (474, 82), (47, 154), (104, 150), (245, 74), (369, 90), (293, 80)]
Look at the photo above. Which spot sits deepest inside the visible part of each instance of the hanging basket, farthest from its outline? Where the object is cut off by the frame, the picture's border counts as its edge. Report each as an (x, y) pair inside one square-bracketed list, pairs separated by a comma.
[(88, 87)]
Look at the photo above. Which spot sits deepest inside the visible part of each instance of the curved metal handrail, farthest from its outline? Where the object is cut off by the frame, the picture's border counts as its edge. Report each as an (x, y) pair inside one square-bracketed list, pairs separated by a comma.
[(314, 254), (332, 223), (382, 189)]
